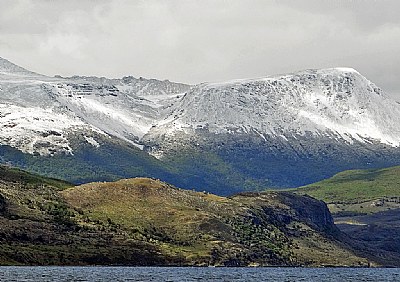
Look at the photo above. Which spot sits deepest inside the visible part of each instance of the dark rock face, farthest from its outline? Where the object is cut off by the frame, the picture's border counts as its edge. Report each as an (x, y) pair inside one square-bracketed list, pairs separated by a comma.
[(310, 210), (3, 205), (304, 209)]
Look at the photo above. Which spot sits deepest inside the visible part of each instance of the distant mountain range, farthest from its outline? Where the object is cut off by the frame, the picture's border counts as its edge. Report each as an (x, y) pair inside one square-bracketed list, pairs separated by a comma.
[(278, 131)]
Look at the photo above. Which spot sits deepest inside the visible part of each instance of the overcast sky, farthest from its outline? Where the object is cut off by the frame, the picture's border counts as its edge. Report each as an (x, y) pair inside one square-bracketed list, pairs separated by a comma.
[(197, 41)]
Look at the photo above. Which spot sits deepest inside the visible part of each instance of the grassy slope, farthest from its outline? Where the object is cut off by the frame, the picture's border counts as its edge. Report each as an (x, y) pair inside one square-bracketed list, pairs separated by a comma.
[(39, 227), (358, 190), (10, 174), (366, 205), (147, 222), (266, 228)]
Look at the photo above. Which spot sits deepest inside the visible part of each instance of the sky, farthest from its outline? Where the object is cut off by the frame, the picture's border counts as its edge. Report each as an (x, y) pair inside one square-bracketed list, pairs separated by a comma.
[(195, 41)]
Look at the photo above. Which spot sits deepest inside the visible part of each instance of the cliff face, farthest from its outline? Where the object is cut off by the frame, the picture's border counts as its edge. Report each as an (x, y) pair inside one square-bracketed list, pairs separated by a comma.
[(3, 204), (286, 207), (310, 210)]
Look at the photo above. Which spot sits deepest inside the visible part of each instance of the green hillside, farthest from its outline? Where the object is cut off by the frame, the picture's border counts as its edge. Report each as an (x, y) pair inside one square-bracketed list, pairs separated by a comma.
[(148, 222), (361, 191), (15, 175)]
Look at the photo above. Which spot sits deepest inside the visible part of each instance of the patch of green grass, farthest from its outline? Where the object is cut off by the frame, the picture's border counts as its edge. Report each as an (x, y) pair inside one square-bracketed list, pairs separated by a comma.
[(11, 174), (356, 186), (206, 170), (151, 210)]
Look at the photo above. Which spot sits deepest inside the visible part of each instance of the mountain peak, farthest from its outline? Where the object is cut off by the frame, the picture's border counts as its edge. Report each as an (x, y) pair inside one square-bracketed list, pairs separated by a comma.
[(331, 119), (9, 67), (339, 102), (336, 70), (324, 71), (346, 69)]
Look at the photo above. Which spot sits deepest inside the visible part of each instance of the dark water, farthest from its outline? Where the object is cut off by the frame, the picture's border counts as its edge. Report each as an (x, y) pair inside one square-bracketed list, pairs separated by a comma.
[(195, 274)]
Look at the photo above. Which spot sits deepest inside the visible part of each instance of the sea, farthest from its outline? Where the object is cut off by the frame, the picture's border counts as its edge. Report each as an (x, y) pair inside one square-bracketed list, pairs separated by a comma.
[(276, 274)]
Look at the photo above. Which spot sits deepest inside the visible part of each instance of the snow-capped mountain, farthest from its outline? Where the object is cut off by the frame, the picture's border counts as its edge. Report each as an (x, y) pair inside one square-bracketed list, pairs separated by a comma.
[(37, 112), (283, 130), (338, 103)]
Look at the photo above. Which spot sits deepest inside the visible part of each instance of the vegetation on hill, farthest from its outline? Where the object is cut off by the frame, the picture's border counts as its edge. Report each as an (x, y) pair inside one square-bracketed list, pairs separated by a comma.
[(358, 191), (148, 222), (113, 160), (116, 159), (16, 175), (366, 205)]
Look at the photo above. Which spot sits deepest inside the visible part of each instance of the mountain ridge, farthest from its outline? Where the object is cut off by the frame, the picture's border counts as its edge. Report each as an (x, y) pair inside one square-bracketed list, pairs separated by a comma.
[(304, 103), (286, 130), (7, 66)]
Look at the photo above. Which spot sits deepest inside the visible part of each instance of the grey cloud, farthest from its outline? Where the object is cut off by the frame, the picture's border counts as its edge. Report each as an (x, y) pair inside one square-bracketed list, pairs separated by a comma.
[(363, 14), (195, 41)]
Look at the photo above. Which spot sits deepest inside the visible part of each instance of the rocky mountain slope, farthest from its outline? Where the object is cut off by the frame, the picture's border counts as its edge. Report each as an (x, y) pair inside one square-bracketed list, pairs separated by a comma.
[(286, 130), (80, 128), (278, 131), (37, 111), (338, 103), (147, 222)]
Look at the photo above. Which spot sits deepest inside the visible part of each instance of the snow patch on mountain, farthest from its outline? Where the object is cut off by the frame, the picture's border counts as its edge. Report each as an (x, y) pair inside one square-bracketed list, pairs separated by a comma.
[(36, 130), (38, 112), (92, 141), (339, 103), (123, 108)]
